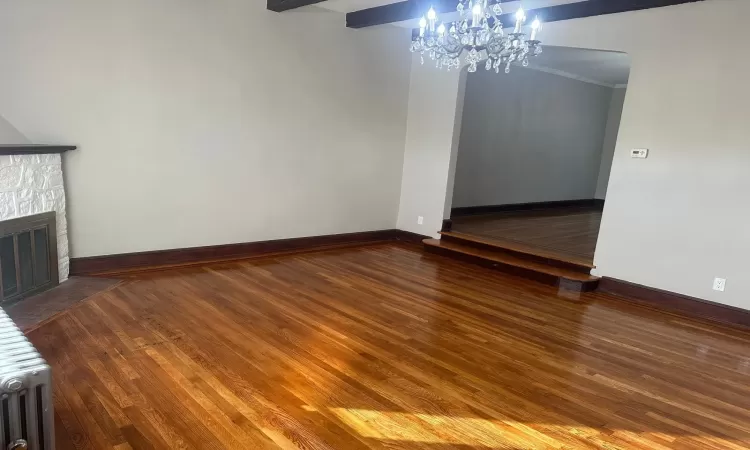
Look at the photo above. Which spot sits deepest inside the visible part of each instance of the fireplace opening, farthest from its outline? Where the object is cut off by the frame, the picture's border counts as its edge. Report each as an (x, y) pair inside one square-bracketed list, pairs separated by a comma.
[(28, 256)]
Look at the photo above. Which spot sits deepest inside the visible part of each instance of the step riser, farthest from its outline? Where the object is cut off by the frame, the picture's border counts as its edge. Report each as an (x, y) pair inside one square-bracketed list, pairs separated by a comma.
[(540, 259), (570, 285)]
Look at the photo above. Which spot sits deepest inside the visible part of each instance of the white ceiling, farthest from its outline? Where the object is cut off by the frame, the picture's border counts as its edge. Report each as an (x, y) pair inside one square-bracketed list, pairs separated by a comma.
[(608, 68)]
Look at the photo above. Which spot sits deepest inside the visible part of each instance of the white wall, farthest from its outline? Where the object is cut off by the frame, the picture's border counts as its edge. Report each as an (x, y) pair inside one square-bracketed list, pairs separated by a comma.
[(431, 137), (529, 136), (9, 134), (610, 140), (677, 219), (208, 122)]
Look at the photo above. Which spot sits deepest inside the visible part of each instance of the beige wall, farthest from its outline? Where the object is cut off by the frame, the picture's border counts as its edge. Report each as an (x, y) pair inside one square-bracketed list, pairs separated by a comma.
[(9, 134), (432, 134), (614, 116), (208, 122), (675, 220)]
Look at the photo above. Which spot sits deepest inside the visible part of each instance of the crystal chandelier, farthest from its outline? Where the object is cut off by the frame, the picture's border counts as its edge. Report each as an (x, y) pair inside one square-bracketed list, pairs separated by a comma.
[(479, 32)]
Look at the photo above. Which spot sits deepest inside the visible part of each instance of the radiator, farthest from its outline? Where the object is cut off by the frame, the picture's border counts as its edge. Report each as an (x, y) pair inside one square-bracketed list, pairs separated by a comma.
[(26, 416)]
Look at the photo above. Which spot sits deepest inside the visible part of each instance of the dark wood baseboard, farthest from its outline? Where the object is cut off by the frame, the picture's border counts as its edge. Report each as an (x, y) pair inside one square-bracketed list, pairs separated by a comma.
[(490, 209), (408, 236), (164, 259), (676, 303)]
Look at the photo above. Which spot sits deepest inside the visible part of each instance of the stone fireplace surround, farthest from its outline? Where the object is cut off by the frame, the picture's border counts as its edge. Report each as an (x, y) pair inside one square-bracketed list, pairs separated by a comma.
[(31, 182)]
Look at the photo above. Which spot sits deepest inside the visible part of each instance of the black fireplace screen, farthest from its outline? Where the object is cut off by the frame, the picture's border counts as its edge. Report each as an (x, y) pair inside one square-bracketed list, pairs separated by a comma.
[(28, 256)]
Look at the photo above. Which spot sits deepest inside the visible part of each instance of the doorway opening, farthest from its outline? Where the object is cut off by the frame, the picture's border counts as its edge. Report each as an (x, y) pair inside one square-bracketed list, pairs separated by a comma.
[(535, 152)]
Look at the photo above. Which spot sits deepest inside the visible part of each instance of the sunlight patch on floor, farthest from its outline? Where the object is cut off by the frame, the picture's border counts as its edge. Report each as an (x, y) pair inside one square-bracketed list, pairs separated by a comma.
[(388, 426), (439, 429)]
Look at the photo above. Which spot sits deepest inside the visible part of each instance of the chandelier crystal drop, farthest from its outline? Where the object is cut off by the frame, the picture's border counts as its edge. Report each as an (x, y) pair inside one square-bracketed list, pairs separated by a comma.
[(478, 33)]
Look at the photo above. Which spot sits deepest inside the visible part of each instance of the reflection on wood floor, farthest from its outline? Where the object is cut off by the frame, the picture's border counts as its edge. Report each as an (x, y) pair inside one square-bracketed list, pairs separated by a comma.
[(386, 347), (569, 232)]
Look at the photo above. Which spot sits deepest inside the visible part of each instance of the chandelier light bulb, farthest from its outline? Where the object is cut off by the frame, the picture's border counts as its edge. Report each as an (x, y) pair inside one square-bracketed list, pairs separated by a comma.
[(521, 14), (520, 19), (431, 19), (477, 14), (536, 25), (441, 29)]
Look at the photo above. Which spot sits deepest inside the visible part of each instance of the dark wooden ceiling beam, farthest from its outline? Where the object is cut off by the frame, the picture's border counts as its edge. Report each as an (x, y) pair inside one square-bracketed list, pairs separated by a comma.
[(396, 12), (414, 9), (285, 5)]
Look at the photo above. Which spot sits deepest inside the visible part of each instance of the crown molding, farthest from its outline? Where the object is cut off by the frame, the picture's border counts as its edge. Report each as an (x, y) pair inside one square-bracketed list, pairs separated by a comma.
[(572, 76)]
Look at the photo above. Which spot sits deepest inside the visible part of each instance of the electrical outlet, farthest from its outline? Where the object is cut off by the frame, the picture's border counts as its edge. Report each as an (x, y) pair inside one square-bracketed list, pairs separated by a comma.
[(639, 153), (720, 284), (420, 220)]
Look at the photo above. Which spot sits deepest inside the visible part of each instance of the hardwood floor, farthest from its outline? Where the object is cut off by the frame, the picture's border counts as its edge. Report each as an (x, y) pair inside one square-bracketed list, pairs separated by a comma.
[(568, 232), (30, 312), (386, 347)]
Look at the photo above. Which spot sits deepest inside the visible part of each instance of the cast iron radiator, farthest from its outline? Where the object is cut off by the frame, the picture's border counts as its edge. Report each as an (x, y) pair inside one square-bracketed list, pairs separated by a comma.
[(26, 419)]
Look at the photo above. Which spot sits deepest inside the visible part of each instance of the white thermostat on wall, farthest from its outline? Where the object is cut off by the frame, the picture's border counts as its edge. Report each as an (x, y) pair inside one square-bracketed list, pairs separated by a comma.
[(639, 153)]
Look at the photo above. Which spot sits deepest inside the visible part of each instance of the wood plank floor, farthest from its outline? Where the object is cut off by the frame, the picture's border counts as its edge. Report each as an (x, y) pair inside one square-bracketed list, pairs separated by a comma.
[(569, 232), (386, 347), (30, 312)]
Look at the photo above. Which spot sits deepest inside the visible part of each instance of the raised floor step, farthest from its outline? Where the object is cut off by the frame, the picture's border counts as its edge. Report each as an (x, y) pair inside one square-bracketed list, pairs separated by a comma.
[(520, 249), (508, 262)]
